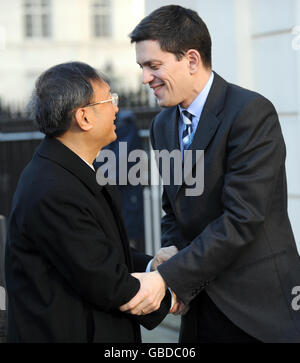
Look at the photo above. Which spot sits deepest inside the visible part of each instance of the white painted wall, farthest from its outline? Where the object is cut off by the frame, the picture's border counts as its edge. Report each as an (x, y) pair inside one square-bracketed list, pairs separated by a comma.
[(276, 66)]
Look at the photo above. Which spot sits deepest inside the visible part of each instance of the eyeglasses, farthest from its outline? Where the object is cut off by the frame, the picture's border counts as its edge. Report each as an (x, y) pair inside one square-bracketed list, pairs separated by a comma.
[(114, 99)]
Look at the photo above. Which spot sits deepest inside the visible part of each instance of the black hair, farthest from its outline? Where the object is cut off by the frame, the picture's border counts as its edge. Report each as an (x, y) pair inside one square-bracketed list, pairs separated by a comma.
[(177, 30), (58, 92)]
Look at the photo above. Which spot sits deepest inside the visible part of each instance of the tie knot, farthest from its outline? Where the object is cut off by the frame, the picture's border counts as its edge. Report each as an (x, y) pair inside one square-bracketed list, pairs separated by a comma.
[(187, 117)]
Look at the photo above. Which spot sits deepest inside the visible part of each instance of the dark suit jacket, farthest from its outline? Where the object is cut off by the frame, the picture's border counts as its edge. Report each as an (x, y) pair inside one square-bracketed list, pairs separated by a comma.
[(68, 260), (236, 240)]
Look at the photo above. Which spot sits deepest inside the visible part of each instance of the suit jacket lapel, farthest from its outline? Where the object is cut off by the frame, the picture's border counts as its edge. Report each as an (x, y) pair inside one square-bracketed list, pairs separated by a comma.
[(172, 137), (206, 129), (209, 120)]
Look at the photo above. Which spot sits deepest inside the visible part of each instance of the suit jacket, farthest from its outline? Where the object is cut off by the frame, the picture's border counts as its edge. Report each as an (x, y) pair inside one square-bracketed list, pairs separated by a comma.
[(235, 239), (68, 260)]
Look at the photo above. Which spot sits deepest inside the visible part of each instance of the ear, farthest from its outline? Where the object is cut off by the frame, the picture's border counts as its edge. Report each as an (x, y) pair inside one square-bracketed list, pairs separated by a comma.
[(82, 119), (194, 59)]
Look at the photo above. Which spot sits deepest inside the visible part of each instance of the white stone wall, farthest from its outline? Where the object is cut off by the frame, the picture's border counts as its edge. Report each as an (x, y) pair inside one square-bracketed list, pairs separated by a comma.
[(22, 60), (275, 68)]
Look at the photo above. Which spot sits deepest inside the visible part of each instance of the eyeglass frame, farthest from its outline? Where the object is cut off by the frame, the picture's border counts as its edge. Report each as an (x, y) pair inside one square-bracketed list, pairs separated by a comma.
[(114, 99)]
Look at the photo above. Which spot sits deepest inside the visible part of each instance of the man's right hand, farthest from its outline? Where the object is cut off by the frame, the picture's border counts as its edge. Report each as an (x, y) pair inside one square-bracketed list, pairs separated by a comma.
[(163, 255), (179, 308)]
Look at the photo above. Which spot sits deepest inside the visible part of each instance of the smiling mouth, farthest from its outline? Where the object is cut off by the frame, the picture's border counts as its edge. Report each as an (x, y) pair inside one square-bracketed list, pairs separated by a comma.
[(157, 88)]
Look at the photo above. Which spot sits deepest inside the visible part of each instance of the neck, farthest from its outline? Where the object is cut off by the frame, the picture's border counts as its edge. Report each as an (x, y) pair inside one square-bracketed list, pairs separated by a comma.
[(79, 146), (199, 82)]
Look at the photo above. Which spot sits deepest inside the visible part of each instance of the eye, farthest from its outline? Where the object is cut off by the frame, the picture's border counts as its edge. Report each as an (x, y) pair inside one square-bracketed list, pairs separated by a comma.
[(154, 67)]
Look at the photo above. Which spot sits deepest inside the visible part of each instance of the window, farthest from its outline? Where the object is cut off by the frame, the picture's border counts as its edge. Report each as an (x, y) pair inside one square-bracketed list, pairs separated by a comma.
[(37, 18), (101, 14)]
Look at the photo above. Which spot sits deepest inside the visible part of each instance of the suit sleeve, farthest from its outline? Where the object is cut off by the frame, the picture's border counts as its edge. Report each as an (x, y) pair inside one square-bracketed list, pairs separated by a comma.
[(74, 244), (140, 260), (256, 152), (170, 233)]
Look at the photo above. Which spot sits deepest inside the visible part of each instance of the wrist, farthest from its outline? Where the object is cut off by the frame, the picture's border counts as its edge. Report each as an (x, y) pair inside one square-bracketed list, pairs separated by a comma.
[(161, 279)]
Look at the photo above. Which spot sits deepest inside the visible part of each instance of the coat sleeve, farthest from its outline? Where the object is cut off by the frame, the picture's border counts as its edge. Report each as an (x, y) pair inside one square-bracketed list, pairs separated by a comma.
[(140, 260), (150, 321), (256, 152), (73, 243)]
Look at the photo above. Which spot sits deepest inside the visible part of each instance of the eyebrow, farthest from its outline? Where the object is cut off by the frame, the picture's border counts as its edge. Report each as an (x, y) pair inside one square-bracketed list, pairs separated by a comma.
[(147, 63)]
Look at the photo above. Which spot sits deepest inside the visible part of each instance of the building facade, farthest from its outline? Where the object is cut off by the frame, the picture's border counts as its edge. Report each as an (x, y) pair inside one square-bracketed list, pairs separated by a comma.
[(37, 34)]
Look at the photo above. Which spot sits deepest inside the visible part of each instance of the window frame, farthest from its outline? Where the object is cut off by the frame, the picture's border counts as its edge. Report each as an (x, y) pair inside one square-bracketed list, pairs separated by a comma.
[(101, 11), (40, 16)]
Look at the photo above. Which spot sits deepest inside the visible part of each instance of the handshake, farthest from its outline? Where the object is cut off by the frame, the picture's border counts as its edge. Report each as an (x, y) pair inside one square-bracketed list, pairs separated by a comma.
[(153, 289)]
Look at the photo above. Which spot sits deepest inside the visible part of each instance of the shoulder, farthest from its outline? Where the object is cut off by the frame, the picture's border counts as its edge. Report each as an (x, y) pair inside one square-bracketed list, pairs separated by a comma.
[(241, 98), (45, 181), (253, 117)]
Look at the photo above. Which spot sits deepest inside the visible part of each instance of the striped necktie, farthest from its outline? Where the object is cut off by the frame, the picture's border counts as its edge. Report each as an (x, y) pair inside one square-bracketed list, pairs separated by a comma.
[(187, 135)]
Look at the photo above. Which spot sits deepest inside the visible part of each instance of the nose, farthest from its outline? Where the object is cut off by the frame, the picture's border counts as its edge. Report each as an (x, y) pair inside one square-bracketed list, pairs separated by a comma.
[(147, 76), (116, 109)]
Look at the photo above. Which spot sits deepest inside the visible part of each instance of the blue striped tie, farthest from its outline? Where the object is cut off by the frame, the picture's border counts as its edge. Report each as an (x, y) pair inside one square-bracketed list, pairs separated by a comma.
[(187, 135)]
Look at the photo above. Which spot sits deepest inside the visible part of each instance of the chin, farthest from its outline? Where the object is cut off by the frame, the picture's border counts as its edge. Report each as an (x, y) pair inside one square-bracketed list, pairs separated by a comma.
[(112, 139), (166, 103)]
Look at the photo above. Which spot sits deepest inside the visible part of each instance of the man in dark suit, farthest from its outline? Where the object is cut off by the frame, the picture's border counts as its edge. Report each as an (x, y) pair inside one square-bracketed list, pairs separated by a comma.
[(68, 261), (237, 262)]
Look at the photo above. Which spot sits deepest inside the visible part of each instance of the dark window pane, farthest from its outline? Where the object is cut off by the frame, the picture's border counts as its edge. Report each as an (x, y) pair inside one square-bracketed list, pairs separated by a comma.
[(45, 25), (28, 26), (45, 3), (27, 4)]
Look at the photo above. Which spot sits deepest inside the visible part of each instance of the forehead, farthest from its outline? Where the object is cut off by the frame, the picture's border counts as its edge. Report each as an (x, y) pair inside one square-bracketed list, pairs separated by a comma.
[(101, 88), (149, 51)]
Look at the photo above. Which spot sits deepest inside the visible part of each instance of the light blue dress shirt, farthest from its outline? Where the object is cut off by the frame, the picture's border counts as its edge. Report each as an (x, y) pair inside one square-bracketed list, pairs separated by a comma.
[(195, 109)]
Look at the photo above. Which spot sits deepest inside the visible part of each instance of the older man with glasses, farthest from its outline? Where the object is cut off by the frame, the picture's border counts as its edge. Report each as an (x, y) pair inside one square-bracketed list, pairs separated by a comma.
[(68, 260)]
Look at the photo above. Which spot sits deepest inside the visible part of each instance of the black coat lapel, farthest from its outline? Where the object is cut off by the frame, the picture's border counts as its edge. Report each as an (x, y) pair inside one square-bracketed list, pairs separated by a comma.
[(54, 150)]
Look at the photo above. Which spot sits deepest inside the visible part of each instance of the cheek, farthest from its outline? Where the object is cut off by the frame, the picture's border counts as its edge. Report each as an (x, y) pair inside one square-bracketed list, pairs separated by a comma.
[(177, 80)]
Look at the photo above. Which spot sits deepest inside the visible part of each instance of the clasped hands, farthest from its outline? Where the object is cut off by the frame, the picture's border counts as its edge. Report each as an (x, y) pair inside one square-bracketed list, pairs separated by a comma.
[(153, 288)]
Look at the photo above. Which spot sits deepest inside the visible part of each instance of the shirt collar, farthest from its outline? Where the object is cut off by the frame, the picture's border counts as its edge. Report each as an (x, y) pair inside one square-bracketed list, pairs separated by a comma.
[(197, 105), (90, 165)]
